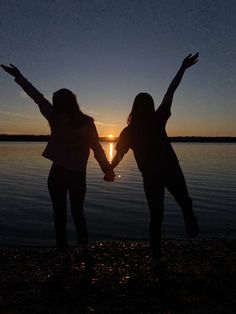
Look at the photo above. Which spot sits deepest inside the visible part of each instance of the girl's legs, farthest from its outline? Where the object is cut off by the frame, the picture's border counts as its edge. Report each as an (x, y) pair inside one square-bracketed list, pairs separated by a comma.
[(176, 184), (58, 192), (154, 190), (60, 181), (77, 190)]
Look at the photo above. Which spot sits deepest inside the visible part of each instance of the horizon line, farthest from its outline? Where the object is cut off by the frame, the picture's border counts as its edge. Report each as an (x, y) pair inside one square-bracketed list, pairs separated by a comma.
[(192, 138)]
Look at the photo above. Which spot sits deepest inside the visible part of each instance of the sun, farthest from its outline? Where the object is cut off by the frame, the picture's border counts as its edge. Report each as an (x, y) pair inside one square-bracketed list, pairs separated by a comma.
[(110, 137)]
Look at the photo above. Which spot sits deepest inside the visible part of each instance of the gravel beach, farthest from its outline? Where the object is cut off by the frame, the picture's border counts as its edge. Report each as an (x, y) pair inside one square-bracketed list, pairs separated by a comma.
[(118, 277)]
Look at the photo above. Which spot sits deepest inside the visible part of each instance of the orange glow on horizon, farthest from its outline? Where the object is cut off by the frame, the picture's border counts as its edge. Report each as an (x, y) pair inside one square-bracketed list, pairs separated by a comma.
[(110, 135)]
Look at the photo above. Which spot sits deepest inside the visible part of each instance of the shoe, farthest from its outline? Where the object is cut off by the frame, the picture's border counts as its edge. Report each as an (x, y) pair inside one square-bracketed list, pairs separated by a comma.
[(191, 225)]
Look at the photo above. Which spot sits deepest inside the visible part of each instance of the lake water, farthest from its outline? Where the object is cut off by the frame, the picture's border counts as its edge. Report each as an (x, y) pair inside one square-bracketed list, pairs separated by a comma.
[(115, 210)]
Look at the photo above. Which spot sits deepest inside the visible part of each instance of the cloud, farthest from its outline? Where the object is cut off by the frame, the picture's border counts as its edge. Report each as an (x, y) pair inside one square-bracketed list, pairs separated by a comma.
[(23, 94), (17, 114), (7, 132), (103, 123), (95, 113), (92, 112)]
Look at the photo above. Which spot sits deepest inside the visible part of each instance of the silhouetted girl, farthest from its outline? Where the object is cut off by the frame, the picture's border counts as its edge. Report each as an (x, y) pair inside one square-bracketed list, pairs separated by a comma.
[(72, 135), (156, 159)]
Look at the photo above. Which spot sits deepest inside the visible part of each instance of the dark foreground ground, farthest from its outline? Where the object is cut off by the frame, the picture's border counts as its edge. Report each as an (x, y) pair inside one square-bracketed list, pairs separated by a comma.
[(119, 278)]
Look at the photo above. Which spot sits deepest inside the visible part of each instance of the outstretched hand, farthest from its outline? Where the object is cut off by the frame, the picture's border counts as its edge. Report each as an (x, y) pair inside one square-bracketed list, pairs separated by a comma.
[(12, 70), (190, 60)]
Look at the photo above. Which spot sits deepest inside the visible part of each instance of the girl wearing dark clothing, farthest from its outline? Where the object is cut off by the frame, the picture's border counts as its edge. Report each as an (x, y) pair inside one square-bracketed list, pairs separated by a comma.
[(156, 159), (72, 135)]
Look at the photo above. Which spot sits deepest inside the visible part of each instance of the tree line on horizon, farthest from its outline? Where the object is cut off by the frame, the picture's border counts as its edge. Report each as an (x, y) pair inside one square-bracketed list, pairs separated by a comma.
[(42, 138)]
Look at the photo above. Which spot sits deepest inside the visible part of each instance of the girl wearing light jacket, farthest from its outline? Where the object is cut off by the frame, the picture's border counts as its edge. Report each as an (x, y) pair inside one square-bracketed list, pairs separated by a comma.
[(72, 135)]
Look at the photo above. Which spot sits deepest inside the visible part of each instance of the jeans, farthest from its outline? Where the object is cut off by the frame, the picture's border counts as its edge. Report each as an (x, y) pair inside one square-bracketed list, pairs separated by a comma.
[(173, 179), (61, 181)]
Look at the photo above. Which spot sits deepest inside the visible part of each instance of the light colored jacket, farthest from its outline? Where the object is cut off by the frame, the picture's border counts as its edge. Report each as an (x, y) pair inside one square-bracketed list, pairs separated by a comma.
[(67, 147)]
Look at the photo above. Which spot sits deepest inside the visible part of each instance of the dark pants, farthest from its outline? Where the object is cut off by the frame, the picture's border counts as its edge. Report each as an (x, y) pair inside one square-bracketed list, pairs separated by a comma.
[(173, 179), (61, 181)]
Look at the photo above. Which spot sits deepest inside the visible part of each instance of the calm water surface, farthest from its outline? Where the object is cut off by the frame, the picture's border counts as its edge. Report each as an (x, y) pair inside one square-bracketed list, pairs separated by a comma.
[(115, 210)]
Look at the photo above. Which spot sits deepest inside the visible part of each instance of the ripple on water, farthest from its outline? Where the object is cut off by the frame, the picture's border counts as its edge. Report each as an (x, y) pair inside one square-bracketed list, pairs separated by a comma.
[(118, 209)]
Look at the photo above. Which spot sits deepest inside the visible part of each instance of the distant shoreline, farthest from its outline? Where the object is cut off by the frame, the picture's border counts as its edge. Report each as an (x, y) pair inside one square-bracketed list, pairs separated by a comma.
[(186, 139)]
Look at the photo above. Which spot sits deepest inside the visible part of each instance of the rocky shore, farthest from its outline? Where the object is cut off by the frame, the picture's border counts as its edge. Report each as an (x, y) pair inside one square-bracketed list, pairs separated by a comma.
[(118, 277)]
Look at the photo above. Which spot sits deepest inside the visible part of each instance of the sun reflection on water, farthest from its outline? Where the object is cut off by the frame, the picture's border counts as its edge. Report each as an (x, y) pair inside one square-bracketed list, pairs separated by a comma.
[(111, 151)]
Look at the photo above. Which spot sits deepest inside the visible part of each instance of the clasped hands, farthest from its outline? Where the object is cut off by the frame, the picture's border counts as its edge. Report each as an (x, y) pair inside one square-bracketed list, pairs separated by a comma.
[(109, 175)]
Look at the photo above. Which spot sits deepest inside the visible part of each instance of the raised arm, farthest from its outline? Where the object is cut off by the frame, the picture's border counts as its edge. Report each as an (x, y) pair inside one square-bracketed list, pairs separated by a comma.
[(44, 105), (187, 63)]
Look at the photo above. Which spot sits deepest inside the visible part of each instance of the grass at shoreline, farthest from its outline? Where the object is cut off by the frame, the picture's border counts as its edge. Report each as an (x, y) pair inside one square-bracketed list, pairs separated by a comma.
[(119, 278)]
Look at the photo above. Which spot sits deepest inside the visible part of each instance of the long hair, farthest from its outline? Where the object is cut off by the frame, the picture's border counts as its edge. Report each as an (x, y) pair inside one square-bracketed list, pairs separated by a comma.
[(65, 102), (142, 112)]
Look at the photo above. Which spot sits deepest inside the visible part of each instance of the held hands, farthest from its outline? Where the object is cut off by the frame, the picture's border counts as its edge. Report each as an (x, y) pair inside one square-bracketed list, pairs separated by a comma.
[(190, 60), (12, 70), (109, 175)]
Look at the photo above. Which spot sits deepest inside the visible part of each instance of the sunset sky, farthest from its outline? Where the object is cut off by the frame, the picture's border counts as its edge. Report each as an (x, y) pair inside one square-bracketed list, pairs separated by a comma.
[(107, 51)]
